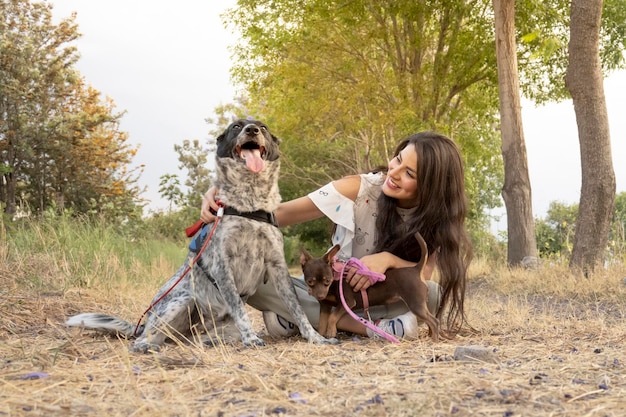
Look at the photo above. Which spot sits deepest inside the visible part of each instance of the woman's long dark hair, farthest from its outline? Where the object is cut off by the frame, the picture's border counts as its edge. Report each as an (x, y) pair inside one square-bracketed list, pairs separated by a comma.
[(439, 217)]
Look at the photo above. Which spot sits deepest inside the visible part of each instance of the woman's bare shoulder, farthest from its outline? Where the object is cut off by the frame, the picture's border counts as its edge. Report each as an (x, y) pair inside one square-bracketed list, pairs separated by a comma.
[(348, 186)]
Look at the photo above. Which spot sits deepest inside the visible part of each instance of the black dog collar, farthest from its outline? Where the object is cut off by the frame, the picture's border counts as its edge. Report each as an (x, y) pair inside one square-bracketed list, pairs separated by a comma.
[(259, 215)]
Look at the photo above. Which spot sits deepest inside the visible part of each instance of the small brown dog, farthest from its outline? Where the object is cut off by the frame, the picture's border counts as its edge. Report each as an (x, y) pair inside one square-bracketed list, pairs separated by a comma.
[(404, 284)]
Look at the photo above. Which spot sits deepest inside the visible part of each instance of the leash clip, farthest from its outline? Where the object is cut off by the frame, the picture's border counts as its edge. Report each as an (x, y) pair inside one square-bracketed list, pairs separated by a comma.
[(220, 208)]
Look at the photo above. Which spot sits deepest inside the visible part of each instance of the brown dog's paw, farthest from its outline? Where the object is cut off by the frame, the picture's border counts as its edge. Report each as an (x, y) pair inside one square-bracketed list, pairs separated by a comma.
[(330, 334)]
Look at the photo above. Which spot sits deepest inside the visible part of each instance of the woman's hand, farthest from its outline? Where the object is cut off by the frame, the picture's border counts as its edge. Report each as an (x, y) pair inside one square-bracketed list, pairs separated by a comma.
[(208, 204), (381, 262), (378, 262)]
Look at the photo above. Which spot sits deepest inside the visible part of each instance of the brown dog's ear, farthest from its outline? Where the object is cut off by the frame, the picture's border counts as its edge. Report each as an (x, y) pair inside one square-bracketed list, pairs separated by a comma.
[(328, 256), (304, 257)]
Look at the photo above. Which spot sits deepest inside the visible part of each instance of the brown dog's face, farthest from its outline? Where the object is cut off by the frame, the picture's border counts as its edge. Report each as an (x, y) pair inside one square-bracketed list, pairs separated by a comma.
[(318, 272)]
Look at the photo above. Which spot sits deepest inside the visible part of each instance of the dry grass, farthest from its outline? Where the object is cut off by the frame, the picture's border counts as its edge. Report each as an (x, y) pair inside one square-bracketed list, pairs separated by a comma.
[(560, 346)]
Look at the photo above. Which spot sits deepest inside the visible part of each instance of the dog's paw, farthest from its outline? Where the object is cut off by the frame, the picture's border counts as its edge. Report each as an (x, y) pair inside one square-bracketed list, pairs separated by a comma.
[(143, 347), (253, 341), (324, 341), (330, 341), (329, 335), (209, 343)]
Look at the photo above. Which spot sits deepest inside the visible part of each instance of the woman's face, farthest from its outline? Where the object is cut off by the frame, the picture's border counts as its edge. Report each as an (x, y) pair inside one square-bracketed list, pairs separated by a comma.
[(401, 181)]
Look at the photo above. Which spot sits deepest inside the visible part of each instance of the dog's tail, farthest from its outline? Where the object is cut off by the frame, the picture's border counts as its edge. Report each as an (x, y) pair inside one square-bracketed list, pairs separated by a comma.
[(104, 323)]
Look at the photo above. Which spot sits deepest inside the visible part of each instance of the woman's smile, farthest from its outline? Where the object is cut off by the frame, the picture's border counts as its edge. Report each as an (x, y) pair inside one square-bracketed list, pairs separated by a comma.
[(401, 182)]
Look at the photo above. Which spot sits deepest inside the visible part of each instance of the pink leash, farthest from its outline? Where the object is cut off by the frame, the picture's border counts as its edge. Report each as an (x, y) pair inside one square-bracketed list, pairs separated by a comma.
[(374, 277)]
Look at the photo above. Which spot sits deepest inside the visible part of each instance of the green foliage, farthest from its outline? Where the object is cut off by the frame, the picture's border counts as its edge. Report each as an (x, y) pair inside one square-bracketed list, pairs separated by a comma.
[(61, 143), (314, 236), (32, 73), (172, 225), (613, 36), (617, 235), (342, 83), (169, 189), (543, 31), (487, 246), (88, 157), (225, 114), (555, 233)]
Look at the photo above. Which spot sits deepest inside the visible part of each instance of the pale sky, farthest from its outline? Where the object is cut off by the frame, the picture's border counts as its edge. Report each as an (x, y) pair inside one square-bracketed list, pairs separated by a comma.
[(167, 64)]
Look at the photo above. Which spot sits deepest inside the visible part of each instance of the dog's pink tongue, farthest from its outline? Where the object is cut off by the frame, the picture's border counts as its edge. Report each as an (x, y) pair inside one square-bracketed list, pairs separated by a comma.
[(253, 159)]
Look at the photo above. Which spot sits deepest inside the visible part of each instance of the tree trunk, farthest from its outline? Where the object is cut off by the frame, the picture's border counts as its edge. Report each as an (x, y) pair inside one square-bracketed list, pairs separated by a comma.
[(584, 81), (10, 180), (516, 192), (10, 207)]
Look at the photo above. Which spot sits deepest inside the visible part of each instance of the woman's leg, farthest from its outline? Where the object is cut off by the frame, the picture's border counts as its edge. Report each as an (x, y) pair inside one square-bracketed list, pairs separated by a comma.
[(267, 299)]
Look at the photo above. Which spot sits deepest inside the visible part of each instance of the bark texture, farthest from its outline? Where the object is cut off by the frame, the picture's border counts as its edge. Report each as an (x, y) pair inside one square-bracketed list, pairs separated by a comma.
[(584, 80), (516, 193)]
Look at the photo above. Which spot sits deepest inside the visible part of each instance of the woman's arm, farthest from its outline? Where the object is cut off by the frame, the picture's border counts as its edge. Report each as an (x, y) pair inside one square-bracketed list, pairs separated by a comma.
[(297, 211), (303, 209), (291, 212)]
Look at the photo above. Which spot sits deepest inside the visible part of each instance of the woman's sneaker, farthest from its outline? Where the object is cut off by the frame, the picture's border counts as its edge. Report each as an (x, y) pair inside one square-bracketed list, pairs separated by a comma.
[(277, 326), (403, 326)]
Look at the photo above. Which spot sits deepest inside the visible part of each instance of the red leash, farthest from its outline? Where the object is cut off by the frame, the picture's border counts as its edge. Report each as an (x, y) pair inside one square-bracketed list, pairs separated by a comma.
[(192, 229)]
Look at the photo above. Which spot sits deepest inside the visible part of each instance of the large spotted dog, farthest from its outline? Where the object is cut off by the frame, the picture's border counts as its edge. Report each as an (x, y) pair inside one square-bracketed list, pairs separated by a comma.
[(245, 250)]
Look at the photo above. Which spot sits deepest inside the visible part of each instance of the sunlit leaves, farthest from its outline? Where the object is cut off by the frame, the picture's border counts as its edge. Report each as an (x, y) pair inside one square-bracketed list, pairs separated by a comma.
[(543, 30), (343, 82)]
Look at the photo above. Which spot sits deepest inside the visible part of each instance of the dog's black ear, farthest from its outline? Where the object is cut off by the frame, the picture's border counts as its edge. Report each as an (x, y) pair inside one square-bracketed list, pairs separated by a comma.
[(304, 257), (221, 137), (223, 149), (277, 140)]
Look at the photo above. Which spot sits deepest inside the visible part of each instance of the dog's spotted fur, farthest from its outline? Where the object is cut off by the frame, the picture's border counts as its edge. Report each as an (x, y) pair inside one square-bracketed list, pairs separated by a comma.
[(242, 254)]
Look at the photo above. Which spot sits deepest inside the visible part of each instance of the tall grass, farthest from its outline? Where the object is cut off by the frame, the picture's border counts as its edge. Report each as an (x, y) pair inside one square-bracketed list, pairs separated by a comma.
[(551, 279), (56, 253), (60, 252)]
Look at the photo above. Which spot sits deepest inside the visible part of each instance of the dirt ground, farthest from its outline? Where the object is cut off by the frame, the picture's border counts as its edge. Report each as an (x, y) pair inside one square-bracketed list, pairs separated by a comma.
[(548, 356)]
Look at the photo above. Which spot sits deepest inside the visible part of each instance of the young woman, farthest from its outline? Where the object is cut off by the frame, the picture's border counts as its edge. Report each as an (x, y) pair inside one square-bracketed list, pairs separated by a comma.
[(376, 217)]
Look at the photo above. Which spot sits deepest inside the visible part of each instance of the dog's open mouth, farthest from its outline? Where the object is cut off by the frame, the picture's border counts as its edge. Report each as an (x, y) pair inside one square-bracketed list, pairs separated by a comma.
[(253, 154)]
